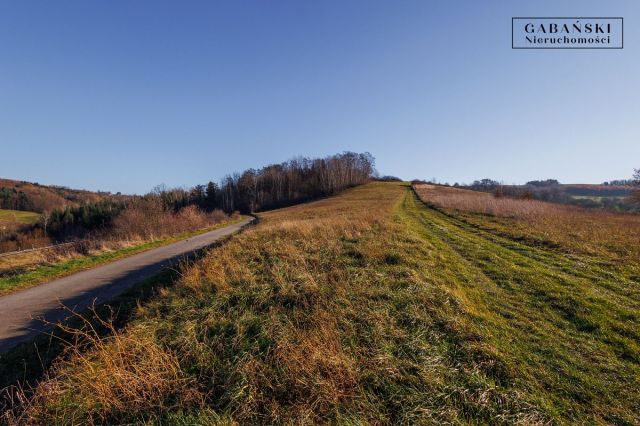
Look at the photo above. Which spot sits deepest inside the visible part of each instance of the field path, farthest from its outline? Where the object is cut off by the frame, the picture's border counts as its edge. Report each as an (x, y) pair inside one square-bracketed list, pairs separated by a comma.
[(22, 313), (525, 297)]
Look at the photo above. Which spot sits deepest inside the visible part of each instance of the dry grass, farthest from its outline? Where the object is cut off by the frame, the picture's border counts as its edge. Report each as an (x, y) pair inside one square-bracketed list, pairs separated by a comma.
[(599, 233), (482, 202), (319, 314), (148, 220), (133, 227), (365, 308), (21, 262), (123, 374), (31, 268)]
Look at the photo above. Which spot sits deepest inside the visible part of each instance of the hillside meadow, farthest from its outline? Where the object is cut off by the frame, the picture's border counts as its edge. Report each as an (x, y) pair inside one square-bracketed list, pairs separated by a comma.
[(28, 196), (17, 217), (376, 307), (600, 233)]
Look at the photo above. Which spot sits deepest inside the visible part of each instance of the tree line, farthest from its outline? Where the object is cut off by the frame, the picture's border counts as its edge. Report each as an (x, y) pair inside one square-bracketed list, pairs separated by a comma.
[(274, 186), (13, 199), (636, 183), (270, 187), (294, 181), (69, 222), (550, 190)]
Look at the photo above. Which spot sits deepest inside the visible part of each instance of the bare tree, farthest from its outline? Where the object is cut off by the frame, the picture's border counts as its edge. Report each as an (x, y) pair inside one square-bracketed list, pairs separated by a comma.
[(295, 181), (636, 182), (46, 215), (275, 185)]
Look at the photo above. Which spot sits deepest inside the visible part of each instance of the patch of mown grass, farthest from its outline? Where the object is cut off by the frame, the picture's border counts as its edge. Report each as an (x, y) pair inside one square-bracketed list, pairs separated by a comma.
[(364, 308), (48, 272), (18, 216), (563, 323)]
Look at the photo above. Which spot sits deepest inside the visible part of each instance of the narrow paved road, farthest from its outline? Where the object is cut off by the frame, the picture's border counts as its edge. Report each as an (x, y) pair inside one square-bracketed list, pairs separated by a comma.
[(21, 313)]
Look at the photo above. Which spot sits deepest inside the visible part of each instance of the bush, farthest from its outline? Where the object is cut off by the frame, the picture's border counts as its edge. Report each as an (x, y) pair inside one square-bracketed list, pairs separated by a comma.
[(147, 218)]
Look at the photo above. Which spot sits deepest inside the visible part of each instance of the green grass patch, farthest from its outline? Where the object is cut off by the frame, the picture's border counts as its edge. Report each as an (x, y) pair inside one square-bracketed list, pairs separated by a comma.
[(565, 327), (598, 198), (48, 272), (18, 216)]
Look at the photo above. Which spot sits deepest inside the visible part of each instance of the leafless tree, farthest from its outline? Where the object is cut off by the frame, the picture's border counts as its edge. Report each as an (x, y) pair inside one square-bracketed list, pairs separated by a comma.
[(636, 183), (294, 181)]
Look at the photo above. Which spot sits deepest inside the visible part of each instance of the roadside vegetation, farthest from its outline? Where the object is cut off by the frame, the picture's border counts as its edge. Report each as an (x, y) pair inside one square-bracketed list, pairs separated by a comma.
[(375, 307), (91, 233), (67, 215), (31, 268)]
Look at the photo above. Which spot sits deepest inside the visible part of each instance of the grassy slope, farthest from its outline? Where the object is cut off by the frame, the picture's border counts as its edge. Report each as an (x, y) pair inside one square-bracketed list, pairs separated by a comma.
[(17, 216), (566, 328), (48, 272), (367, 307)]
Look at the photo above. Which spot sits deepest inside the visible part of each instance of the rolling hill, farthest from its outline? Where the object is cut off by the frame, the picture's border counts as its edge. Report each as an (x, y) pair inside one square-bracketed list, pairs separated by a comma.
[(379, 306), (27, 196)]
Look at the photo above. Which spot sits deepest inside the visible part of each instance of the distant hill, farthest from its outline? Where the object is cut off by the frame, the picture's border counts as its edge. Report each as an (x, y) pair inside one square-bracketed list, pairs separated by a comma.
[(27, 196), (598, 190), (608, 196)]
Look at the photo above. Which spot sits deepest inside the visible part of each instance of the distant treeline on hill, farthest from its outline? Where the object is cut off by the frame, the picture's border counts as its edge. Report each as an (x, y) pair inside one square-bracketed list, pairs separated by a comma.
[(14, 199), (278, 185), (270, 187), (620, 182), (611, 195)]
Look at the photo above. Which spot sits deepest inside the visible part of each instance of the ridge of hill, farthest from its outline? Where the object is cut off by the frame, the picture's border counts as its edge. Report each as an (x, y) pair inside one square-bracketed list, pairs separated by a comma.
[(30, 196)]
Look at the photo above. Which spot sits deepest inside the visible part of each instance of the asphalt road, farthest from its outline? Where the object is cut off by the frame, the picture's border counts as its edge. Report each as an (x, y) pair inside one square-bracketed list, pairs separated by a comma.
[(22, 313)]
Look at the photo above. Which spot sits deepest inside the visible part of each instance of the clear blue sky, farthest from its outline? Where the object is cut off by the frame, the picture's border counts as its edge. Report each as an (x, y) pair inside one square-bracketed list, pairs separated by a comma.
[(124, 95)]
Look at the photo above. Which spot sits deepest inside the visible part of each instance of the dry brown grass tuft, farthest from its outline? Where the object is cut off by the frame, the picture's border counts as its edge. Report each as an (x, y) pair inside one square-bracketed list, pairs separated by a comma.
[(124, 374)]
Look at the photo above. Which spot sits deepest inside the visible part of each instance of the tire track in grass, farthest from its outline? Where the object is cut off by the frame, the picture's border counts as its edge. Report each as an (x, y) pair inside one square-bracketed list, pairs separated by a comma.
[(567, 328), (568, 268), (499, 261), (571, 264)]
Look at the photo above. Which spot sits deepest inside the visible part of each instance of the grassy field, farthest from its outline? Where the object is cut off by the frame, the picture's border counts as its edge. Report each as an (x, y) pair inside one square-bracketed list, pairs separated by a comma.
[(374, 307), (16, 216), (598, 198), (604, 235), (47, 271)]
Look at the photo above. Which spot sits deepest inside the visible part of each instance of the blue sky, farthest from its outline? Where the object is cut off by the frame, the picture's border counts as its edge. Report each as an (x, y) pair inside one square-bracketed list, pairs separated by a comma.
[(122, 96)]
